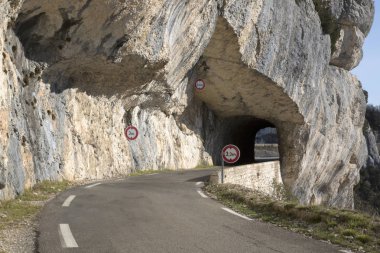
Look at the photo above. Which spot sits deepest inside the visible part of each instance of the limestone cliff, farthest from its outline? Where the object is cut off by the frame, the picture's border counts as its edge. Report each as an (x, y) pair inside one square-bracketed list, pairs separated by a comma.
[(76, 73)]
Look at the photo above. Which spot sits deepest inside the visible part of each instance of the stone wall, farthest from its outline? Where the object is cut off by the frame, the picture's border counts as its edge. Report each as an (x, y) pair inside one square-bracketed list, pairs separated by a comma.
[(262, 177)]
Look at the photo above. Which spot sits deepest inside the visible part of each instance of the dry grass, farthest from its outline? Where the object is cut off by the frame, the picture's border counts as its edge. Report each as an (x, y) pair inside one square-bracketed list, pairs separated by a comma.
[(147, 172), (24, 206), (351, 229)]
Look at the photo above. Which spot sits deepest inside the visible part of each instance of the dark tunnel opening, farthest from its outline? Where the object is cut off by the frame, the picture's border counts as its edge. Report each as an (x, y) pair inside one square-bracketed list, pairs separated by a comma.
[(252, 135)]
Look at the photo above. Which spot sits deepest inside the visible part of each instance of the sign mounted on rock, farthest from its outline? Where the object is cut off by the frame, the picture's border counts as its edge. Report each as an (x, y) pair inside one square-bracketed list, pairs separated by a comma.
[(131, 133), (200, 85), (230, 153)]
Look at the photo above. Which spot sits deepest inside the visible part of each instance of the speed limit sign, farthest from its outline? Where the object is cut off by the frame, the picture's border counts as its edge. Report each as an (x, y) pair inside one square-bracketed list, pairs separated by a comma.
[(230, 153), (200, 85), (131, 133)]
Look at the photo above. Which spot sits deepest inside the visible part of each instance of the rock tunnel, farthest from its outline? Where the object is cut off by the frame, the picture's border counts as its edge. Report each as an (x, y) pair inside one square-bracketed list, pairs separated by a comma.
[(246, 100)]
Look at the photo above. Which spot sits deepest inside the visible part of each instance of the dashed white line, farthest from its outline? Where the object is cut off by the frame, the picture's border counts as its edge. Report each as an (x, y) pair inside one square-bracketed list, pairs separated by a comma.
[(68, 201), (92, 185), (199, 183), (235, 213), (346, 251), (202, 194), (67, 238)]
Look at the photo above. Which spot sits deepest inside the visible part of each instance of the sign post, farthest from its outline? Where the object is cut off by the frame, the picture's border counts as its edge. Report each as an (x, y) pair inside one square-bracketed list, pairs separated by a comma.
[(222, 173), (230, 154)]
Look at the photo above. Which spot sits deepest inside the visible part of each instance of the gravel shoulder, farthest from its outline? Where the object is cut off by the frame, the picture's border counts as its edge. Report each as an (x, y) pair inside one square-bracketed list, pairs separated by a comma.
[(19, 217), (19, 238)]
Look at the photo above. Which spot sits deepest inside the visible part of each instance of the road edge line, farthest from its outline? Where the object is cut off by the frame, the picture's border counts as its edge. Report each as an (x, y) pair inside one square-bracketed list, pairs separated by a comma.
[(92, 185), (237, 214), (202, 194)]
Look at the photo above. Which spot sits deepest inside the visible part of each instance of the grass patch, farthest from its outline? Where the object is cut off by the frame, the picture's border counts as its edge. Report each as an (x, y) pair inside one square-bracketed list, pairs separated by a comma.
[(23, 207), (43, 191), (349, 232), (363, 239), (203, 167), (14, 211), (351, 229), (147, 172)]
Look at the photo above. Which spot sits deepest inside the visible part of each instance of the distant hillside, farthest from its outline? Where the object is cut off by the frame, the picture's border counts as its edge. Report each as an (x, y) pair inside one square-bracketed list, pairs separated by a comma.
[(267, 136)]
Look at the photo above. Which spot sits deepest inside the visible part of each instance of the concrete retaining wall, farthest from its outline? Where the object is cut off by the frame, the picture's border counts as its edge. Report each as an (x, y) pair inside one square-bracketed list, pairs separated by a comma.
[(263, 177)]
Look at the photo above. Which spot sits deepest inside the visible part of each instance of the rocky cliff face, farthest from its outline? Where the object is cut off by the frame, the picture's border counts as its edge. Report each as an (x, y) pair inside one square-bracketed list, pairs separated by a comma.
[(76, 73)]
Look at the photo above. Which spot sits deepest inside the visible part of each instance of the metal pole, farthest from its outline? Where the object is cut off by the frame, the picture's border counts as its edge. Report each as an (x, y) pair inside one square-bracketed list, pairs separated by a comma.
[(222, 174)]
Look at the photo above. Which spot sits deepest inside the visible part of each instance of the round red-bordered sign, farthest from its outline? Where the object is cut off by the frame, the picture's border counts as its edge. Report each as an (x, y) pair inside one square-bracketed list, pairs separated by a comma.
[(131, 133), (200, 85), (231, 153)]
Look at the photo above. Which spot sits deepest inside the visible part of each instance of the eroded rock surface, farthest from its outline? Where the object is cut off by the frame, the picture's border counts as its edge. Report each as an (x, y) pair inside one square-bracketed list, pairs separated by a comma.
[(347, 22), (76, 73)]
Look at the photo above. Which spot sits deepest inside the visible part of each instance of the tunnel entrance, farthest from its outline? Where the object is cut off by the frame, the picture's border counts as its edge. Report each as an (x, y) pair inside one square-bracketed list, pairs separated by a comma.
[(256, 139), (246, 99), (266, 145)]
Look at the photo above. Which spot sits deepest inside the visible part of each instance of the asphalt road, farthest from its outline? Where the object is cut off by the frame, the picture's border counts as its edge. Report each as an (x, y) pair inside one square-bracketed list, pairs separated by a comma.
[(157, 213)]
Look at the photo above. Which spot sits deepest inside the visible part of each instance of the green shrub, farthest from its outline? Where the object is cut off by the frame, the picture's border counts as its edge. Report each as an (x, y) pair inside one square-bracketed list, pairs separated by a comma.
[(363, 238), (349, 232)]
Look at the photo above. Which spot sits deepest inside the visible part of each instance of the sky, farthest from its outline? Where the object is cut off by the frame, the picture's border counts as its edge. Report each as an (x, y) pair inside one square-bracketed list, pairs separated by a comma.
[(368, 71)]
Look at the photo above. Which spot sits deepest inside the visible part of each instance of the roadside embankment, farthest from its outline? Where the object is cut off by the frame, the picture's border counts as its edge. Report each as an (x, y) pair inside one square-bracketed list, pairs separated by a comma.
[(351, 229), (18, 225)]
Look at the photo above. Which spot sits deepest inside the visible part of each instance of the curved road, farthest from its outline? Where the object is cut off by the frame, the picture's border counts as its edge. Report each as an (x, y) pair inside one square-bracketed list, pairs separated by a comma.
[(157, 213)]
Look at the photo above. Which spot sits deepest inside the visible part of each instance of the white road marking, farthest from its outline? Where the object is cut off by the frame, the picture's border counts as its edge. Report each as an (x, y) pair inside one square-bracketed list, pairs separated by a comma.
[(199, 183), (235, 213), (345, 251), (67, 238), (202, 194), (68, 201), (92, 185)]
